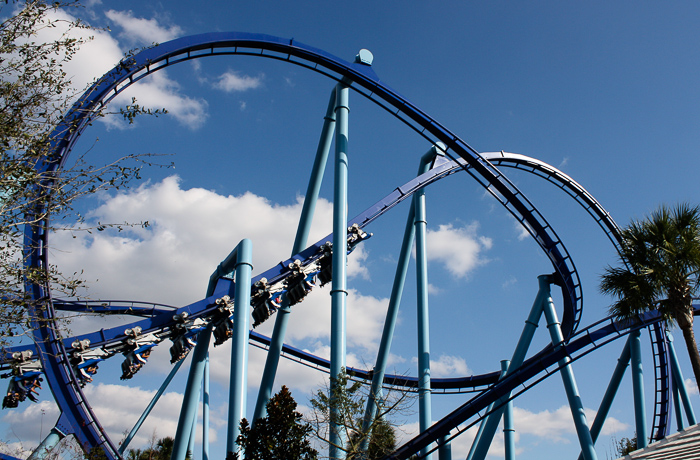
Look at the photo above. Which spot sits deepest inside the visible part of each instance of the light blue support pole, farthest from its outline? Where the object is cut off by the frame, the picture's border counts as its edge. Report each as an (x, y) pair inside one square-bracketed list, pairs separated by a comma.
[(339, 291), (193, 432), (444, 449), (472, 450), (424, 406), (605, 405), (508, 429), (49, 442), (479, 434), (393, 310), (205, 411), (482, 444), (150, 406), (239, 347), (314, 188), (677, 405), (392, 314), (678, 379), (567, 376), (307, 213), (640, 418), (191, 398)]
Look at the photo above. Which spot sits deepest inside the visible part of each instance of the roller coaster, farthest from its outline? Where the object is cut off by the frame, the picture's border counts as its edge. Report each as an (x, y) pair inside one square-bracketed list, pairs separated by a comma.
[(235, 297)]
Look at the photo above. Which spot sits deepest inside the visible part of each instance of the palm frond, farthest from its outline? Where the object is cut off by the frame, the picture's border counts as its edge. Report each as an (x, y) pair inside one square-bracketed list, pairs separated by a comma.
[(659, 263)]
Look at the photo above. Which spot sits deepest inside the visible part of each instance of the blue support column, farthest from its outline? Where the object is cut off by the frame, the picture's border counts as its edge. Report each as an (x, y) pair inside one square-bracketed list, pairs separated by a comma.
[(678, 380), (444, 449), (340, 253), (567, 376), (490, 407), (605, 405), (393, 310), (239, 347), (508, 429), (479, 434), (150, 406), (677, 405), (423, 317), (640, 418), (392, 314), (481, 445), (205, 411), (191, 398), (193, 432), (307, 213), (49, 442)]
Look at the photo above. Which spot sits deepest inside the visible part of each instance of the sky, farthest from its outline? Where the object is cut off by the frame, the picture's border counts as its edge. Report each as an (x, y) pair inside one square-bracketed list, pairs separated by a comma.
[(604, 91)]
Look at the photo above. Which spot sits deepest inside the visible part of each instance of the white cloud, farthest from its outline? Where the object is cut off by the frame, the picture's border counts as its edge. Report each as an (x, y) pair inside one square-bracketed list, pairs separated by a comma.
[(530, 429), (612, 425), (116, 418), (118, 407), (509, 283), (157, 91), (692, 386), (556, 425), (521, 229), (232, 81), (32, 423), (101, 53), (16, 449), (356, 263), (460, 249), (190, 232), (141, 30), (449, 366)]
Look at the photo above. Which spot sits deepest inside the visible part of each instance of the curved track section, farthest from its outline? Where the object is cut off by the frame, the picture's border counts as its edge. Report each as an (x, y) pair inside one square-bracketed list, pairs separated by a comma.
[(361, 78), (162, 322)]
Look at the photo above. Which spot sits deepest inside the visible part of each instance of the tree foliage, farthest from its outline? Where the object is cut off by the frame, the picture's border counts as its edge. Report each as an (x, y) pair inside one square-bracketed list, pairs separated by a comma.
[(625, 446), (161, 449), (660, 270), (350, 399), (35, 93), (281, 434)]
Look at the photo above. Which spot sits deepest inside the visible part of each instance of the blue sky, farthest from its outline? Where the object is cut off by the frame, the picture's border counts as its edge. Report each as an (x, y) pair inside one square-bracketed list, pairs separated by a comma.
[(604, 91)]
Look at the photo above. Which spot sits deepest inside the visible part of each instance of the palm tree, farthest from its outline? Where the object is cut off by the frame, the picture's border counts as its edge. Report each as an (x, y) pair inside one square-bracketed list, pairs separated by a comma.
[(660, 270)]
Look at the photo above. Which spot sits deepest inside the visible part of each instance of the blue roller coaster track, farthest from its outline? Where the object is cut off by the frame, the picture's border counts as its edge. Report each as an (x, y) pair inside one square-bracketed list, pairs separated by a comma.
[(66, 361)]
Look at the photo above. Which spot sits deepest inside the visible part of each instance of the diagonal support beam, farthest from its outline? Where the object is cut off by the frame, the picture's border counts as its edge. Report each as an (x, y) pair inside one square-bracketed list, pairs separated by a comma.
[(679, 382), (481, 445), (567, 376), (191, 398), (605, 405), (392, 313), (307, 213)]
